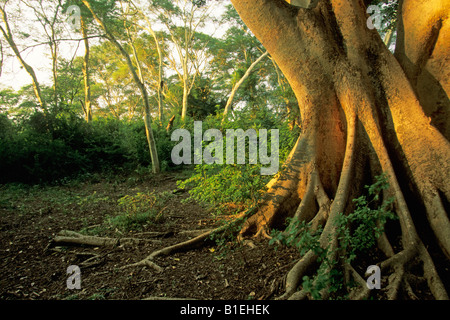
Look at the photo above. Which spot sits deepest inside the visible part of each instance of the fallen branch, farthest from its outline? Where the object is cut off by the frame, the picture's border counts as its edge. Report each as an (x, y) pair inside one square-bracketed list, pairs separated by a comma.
[(194, 243), (75, 238), (179, 247)]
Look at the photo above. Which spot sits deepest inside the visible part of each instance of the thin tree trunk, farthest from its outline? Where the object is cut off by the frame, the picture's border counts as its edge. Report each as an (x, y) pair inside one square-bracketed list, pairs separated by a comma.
[(147, 111), (239, 83), (160, 84), (87, 85), (54, 51), (170, 124), (184, 106), (10, 39), (142, 89)]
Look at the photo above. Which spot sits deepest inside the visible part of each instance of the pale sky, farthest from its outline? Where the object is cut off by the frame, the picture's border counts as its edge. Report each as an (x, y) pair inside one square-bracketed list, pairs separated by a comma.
[(14, 75)]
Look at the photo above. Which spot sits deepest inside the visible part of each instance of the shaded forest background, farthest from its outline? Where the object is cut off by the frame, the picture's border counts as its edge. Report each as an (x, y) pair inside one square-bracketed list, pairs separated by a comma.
[(56, 141), (173, 45)]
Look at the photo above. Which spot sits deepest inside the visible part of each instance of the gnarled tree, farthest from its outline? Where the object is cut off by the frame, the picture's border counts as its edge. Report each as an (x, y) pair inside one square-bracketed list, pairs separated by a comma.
[(364, 111)]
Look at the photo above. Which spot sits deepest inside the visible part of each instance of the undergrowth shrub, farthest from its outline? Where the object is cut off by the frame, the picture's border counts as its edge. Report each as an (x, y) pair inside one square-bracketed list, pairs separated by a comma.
[(227, 188), (139, 210), (47, 148)]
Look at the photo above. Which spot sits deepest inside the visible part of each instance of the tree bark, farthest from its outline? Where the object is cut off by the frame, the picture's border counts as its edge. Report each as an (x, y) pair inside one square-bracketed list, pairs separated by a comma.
[(423, 44), (186, 90), (87, 85), (362, 114)]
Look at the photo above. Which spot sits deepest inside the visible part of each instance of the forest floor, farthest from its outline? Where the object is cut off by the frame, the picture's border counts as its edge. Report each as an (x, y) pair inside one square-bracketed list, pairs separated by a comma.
[(33, 267)]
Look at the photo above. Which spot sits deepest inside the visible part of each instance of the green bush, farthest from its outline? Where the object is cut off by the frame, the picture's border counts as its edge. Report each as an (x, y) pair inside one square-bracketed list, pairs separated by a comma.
[(137, 211), (217, 185), (356, 233), (45, 148)]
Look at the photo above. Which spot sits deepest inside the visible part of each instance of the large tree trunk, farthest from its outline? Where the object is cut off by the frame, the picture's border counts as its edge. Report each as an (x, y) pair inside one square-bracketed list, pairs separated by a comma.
[(363, 112), (423, 46)]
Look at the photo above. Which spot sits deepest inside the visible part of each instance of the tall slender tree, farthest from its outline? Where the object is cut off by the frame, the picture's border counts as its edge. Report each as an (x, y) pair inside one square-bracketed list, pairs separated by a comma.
[(5, 29), (48, 15), (148, 26), (190, 55), (239, 83), (86, 70), (138, 80)]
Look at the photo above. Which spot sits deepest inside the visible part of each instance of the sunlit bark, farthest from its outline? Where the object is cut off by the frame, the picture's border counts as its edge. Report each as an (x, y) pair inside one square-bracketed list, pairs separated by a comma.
[(86, 73), (362, 114)]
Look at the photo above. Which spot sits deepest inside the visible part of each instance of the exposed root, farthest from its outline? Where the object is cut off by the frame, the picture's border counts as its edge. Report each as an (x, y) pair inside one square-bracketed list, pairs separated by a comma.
[(401, 262), (399, 280), (397, 264), (399, 258), (194, 243), (261, 233), (409, 291), (95, 260), (363, 291), (285, 190), (438, 218), (395, 282), (434, 282), (68, 237), (385, 246), (296, 273), (307, 207), (328, 237), (299, 295)]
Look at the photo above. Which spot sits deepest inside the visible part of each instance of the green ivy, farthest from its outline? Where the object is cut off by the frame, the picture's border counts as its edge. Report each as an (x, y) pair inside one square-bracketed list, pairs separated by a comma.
[(356, 232)]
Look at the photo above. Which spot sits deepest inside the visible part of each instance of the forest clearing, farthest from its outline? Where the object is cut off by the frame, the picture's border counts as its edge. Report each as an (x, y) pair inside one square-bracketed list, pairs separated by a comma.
[(34, 268)]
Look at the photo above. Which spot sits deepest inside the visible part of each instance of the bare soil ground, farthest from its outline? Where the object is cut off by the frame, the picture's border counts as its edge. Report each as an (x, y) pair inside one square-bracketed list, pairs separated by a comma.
[(31, 269)]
